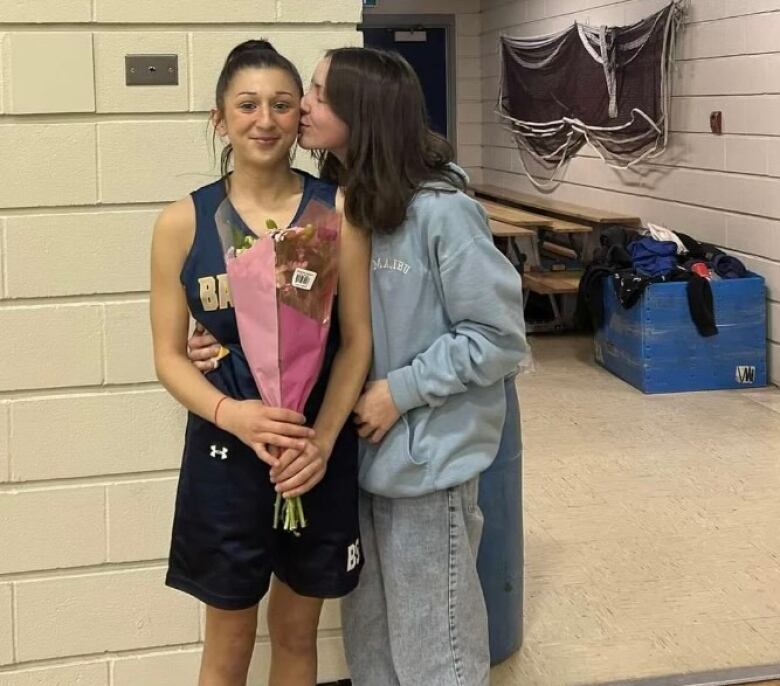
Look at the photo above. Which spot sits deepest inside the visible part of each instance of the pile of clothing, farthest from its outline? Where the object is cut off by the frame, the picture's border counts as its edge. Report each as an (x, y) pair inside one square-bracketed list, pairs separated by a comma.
[(629, 262)]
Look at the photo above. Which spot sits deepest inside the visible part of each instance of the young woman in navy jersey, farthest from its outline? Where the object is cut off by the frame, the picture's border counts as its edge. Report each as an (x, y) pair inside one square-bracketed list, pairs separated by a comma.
[(239, 452)]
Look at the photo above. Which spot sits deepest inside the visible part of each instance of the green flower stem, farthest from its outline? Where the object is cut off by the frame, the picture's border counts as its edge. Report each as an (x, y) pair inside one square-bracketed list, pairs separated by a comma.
[(277, 510), (290, 511)]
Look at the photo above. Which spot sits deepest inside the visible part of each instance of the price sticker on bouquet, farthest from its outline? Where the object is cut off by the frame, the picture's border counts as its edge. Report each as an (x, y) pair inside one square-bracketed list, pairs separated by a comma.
[(304, 279)]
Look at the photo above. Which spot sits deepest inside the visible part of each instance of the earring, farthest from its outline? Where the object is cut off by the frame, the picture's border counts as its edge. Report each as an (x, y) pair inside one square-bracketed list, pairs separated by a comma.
[(293, 152)]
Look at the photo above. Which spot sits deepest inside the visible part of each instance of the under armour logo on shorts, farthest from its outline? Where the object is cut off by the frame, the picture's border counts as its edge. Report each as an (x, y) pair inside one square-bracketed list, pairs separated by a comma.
[(353, 555), (221, 453)]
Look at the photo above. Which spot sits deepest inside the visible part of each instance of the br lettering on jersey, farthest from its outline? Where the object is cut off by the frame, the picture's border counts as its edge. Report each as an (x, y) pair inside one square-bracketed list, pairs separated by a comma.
[(215, 293)]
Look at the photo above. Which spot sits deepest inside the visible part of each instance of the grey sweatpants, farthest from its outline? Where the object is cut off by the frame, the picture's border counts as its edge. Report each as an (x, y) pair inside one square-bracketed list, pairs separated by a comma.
[(417, 617)]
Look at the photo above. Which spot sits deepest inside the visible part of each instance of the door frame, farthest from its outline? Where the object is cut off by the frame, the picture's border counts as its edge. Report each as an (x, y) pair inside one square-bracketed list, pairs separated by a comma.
[(427, 21)]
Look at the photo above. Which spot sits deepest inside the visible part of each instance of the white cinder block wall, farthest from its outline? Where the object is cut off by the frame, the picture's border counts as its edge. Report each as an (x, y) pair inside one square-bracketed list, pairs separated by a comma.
[(468, 70), (722, 189), (89, 443)]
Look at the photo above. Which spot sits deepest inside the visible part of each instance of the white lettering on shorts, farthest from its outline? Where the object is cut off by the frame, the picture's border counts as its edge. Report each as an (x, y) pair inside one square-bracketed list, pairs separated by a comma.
[(353, 555)]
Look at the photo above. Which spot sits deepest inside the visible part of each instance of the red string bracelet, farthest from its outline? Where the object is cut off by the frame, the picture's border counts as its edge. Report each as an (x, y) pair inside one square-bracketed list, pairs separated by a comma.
[(216, 409)]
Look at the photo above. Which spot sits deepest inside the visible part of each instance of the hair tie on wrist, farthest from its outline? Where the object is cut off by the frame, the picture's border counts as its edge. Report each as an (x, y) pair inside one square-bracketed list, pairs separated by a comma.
[(216, 409)]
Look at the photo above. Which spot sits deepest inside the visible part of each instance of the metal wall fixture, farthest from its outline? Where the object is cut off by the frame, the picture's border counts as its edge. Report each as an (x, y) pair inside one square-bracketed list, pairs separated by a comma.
[(151, 70)]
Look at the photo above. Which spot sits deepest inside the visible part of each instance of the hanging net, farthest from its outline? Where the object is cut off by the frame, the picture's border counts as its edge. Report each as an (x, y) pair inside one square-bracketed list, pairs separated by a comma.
[(607, 86)]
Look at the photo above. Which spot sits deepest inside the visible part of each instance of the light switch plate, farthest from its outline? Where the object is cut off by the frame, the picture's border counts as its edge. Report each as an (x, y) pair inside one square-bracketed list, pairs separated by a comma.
[(151, 70)]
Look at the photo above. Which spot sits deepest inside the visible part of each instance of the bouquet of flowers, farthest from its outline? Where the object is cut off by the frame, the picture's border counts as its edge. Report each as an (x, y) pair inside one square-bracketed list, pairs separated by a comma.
[(282, 283)]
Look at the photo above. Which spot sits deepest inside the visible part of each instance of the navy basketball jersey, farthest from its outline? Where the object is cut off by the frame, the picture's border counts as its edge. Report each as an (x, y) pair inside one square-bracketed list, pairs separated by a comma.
[(224, 549), (208, 294)]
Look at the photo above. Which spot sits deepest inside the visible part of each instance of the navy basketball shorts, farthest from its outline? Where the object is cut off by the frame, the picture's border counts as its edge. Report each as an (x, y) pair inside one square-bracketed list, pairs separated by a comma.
[(224, 548)]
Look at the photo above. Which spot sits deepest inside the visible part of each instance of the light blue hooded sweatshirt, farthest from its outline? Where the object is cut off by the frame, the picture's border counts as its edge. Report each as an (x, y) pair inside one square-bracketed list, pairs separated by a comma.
[(448, 327)]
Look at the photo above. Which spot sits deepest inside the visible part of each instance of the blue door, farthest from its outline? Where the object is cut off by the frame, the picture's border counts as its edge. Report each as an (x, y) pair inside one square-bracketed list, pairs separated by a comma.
[(428, 58)]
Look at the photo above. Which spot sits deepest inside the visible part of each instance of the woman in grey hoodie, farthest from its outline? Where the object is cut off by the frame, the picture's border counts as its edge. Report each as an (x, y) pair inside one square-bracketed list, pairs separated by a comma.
[(447, 330)]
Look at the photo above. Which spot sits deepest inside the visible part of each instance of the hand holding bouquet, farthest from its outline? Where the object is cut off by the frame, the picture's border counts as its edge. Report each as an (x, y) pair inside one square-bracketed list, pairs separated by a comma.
[(282, 284)]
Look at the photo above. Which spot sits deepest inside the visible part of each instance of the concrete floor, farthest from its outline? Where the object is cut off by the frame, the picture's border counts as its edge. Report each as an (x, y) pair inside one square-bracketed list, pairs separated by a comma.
[(652, 526)]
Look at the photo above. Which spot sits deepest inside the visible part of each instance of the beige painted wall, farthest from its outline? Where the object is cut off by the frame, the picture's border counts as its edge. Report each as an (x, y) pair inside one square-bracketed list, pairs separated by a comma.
[(723, 189), (468, 86), (89, 442)]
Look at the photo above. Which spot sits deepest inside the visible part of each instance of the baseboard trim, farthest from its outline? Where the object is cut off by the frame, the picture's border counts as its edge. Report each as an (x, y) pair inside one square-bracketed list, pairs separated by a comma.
[(718, 677)]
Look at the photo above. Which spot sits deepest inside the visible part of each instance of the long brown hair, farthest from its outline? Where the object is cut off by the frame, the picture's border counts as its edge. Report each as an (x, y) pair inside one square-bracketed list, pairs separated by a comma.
[(391, 151)]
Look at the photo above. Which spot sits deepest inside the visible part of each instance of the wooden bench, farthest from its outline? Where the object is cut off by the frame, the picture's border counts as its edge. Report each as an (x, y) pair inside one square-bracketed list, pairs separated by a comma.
[(564, 226), (551, 284), (510, 235), (503, 230), (572, 218), (513, 224), (550, 206), (558, 250), (506, 216), (560, 228), (516, 217)]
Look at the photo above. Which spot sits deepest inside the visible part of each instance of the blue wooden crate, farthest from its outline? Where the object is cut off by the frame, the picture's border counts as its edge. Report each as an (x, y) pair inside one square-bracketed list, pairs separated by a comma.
[(655, 346)]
